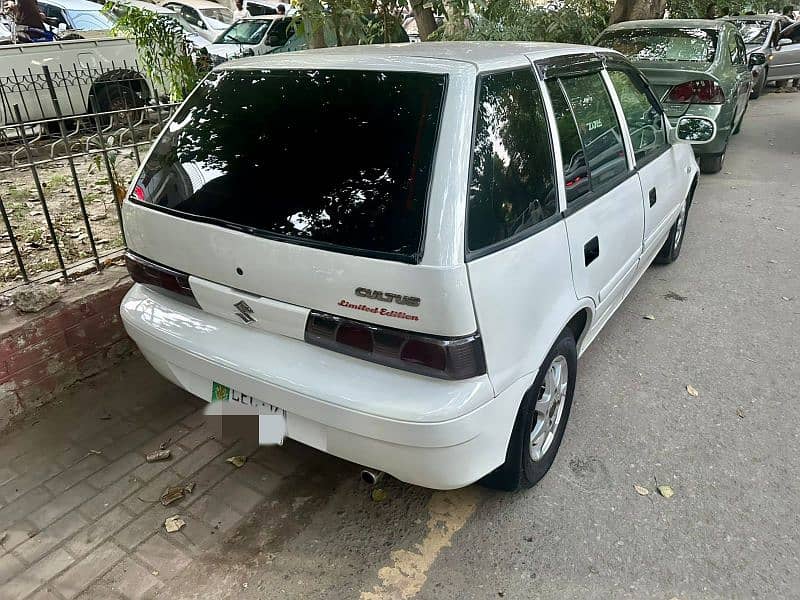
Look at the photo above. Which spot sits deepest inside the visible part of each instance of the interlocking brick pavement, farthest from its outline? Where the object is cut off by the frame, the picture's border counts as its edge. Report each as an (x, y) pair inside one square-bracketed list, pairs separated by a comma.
[(79, 504)]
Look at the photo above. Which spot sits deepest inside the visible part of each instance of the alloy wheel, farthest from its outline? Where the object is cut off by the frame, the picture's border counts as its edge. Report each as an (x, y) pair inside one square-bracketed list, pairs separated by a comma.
[(549, 407)]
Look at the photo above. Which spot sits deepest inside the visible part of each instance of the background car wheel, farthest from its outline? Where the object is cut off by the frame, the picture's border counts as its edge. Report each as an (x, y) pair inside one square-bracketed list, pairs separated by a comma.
[(711, 163), (541, 420), (758, 88), (672, 247), (738, 126)]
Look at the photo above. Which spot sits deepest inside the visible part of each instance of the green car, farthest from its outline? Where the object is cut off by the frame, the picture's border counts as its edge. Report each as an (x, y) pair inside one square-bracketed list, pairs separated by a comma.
[(696, 67)]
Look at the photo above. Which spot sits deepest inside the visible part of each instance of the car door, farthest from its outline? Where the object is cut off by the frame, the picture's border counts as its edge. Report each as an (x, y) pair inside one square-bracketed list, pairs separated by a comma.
[(741, 73), (657, 164), (785, 63), (604, 214)]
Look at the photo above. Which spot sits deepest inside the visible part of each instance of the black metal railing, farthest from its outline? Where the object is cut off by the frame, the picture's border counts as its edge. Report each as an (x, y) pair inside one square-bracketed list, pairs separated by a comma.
[(63, 173)]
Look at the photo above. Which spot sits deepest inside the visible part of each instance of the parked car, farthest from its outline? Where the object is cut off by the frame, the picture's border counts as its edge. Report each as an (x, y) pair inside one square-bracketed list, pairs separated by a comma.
[(785, 63), (760, 34), (208, 19), (253, 36), (76, 16), (196, 40), (416, 307), (89, 75), (697, 67), (259, 8)]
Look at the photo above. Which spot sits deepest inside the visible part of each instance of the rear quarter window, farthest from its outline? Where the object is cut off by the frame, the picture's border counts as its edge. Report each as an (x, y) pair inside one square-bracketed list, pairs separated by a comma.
[(335, 159)]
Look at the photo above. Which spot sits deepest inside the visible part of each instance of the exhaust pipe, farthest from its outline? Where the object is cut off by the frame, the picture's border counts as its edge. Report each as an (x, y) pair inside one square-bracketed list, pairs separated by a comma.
[(371, 477)]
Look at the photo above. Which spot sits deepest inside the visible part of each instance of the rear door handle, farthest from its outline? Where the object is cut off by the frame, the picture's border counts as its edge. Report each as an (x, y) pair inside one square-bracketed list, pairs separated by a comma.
[(591, 250), (652, 197)]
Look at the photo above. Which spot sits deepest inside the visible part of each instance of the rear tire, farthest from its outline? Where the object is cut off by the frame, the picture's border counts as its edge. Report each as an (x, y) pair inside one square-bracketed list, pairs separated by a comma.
[(541, 420), (711, 163), (671, 249), (758, 89)]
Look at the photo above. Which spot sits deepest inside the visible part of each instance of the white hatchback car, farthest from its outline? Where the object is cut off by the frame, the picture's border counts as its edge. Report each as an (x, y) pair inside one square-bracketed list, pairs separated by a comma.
[(450, 227)]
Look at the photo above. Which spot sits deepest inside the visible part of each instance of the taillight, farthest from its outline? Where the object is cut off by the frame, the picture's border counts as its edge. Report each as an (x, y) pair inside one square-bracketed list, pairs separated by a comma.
[(702, 91), (446, 358), (149, 273), (138, 193)]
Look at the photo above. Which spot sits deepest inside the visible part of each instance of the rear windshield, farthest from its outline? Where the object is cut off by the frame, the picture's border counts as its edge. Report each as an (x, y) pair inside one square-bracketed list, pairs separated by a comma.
[(753, 32), (657, 44), (337, 159)]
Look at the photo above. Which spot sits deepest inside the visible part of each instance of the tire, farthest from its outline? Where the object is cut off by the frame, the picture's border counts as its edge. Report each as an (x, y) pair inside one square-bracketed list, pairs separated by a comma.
[(760, 85), (671, 249), (522, 469), (711, 163)]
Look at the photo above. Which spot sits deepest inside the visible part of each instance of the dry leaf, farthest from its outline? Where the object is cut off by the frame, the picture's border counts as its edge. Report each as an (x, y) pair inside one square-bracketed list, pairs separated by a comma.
[(740, 412), (154, 573), (649, 317), (665, 491), (641, 490), (176, 493), (95, 452), (158, 455), (237, 461), (378, 495), (692, 391), (785, 298), (173, 523)]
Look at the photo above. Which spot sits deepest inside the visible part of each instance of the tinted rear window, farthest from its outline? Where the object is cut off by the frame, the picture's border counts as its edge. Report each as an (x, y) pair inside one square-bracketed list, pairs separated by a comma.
[(663, 44), (337, 159)]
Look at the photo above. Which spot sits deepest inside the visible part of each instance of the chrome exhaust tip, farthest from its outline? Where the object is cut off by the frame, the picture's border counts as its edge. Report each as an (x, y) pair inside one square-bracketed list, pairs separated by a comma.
[(371, 477)]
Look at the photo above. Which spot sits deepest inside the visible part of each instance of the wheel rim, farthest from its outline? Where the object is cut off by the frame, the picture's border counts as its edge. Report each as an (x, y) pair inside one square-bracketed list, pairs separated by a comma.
[(679, 228), (549, 407)]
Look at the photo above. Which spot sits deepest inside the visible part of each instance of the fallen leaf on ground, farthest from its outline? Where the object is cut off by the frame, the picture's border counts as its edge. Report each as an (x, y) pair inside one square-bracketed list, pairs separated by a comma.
[(158, 455), (154, 573), (3, 537), (175, 493), (740, 413), (95, 451), (692, 391), (641, 490), (378, 495), (786, 298), (649, 317), (237, 461), (173, 523), (665, 491)]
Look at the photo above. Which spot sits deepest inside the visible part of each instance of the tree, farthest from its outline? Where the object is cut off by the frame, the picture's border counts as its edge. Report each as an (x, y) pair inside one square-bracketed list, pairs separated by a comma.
[(632, 10), (426, 22)]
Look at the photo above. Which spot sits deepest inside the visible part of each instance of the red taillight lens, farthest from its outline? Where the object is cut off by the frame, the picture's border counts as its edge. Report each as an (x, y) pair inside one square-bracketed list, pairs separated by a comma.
[(150, 273), (702, 91), (138, 193), (446, 358)]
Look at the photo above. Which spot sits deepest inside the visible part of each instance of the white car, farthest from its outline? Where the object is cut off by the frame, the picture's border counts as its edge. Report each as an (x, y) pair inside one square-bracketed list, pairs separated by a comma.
[(189, 30), (208, 19), (75, 15), (412, 288), (253, 36)]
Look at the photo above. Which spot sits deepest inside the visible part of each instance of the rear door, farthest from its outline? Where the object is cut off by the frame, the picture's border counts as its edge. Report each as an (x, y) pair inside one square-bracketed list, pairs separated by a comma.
[(604, 214), (656, 161), (786, 59)]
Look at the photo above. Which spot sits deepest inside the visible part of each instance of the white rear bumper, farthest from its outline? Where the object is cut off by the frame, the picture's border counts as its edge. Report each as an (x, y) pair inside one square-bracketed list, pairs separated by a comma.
[(425, 431)]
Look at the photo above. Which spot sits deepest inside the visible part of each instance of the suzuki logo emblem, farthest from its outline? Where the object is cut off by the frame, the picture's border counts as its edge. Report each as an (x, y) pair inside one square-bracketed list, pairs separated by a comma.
[(245, 313)]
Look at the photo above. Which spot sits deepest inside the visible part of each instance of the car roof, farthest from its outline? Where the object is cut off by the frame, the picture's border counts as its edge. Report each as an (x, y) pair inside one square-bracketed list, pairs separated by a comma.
[(196, 3), (142, 5), (669, 24), (772, 17), (74, 4), (484, 56)]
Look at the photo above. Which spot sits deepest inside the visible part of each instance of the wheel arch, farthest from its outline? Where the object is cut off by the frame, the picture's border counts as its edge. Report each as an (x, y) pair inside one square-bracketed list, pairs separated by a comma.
[(126, 78)]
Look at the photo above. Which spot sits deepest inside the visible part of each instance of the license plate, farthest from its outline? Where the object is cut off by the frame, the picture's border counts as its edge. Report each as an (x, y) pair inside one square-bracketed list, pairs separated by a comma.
[(271, 419)]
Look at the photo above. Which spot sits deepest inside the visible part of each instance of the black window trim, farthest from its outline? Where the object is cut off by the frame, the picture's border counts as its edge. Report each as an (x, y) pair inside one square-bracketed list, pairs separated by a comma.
[(470, 255), (412, 259), (615, 64)]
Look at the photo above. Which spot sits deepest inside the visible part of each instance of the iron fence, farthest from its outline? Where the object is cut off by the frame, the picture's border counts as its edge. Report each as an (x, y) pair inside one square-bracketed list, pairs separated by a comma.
[(68, 149)]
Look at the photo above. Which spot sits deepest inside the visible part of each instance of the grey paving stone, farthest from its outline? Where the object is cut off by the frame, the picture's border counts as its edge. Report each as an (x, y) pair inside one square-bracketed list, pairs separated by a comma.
[(243, 499), (205, 479), (112, 472), (77, 472), (17, 534), (61, 504), (19, 508), (219, 515), (126, 443), (6, 475), (31, 475), (128, 578), (257, 477), (78, 577), (162, 556), (111, 496), (49, 537), (90, 537), (10, 565), (143, 527), (36, 575), (198, 458), (201, 434), (195, 419)]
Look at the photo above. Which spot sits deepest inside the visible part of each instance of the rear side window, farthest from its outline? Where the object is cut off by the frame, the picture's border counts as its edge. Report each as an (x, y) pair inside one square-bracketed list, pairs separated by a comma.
[(335, 159), (598, 128), (512, 187)]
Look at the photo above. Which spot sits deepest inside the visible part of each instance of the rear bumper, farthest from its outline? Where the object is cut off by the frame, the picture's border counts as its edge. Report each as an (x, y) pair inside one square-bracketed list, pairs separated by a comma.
[(429, 432)]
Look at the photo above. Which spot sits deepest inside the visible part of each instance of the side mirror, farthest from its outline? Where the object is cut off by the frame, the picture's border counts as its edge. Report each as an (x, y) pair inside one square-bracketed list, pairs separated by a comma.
[(695, 130), (784, 42), (274, 41), (756, 59)]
